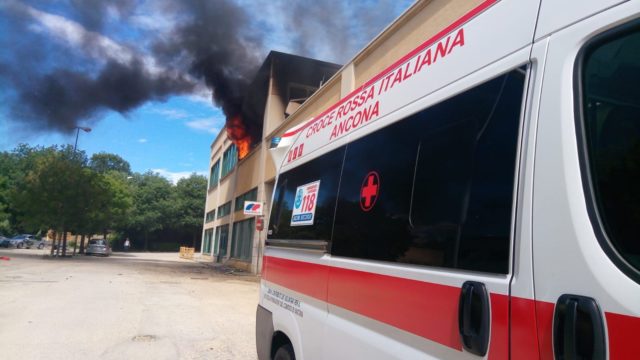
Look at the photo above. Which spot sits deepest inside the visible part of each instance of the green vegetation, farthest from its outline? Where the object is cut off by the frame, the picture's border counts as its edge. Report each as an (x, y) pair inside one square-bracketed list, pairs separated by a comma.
[(56, 188)]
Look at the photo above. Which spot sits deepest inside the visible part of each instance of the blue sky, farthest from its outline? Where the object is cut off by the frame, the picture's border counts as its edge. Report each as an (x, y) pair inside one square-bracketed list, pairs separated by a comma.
[(171, 138), (168, 132)]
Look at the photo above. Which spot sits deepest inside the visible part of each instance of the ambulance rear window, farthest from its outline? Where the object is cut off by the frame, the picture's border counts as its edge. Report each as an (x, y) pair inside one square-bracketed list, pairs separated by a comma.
[(611, 129)]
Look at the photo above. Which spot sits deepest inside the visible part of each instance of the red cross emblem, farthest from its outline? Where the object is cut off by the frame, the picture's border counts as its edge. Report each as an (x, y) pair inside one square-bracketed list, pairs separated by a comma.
[(369, 191)]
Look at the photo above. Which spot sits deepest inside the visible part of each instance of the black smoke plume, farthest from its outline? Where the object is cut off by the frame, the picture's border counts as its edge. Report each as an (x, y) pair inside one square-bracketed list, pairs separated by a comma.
[(59, 99), (53, 84), (216, 45)]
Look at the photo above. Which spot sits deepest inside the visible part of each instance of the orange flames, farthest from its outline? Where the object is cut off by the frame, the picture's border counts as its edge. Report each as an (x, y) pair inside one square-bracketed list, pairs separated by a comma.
[(238, 134)]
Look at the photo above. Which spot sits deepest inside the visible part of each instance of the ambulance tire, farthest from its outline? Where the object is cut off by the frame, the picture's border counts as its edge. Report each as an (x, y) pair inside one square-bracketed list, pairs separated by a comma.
[(285, 352)]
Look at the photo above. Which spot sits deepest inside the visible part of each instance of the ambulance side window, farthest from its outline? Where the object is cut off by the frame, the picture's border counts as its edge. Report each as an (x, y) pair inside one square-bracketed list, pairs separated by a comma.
[(611, 133), (464, 186), (372, 216), (325, 169), (444, 187)]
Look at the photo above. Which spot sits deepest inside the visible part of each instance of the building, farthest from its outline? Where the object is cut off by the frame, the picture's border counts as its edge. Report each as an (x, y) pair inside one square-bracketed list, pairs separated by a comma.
[(239, 174), (281, 102)]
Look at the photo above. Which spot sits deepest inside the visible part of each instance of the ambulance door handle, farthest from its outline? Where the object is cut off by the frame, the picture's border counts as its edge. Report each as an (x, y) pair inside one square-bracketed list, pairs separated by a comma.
[(578, 329), (473, 317)]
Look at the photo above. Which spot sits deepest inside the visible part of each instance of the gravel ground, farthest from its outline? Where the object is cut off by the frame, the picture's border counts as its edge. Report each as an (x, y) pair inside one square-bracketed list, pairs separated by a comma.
[(126, 306)]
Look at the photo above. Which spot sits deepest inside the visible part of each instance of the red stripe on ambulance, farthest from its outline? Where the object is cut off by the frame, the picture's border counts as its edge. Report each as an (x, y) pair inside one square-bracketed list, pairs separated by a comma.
[(524, 337), (388, 299), (434, 313), (623, 336)]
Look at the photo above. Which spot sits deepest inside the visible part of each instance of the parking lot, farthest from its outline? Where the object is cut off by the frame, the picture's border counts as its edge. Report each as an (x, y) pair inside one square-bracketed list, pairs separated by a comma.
[(126, 306)]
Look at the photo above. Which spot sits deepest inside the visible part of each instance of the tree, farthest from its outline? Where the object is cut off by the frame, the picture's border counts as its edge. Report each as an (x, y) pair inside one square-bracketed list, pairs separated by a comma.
[(47, 196), (151, 204), (105, 162), (189, 199), (120, 199), (5, 225), (59, 189), (14, 166), (106, 200)]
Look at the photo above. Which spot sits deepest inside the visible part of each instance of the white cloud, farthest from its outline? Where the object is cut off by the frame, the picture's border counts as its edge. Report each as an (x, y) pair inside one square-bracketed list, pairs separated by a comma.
[(174, 177), (209, 125), (93, 44), (201, 94), (75, 35), (156, 16), (171, 113), (152, 22), (142, 140)]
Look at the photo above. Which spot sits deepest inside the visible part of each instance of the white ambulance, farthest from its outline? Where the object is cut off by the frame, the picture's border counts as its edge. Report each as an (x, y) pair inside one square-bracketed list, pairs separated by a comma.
[(474, 200)]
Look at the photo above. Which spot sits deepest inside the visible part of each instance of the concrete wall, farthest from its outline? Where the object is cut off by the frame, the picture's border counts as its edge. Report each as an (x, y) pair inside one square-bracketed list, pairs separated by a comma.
[(274, 112), (249, 175), (422, 22), (326, 96)]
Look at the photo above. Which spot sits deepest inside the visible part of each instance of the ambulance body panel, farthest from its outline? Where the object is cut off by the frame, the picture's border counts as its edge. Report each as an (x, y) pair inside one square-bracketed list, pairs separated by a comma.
[(333, 284), (556, 15), (568, 256)]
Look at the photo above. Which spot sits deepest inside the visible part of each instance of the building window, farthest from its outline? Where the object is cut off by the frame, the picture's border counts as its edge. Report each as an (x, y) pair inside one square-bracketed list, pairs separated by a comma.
[(242, 243), (206, 241), (251, 195), (229, 159), (210, 216), (611, 132), (214, 176), (221, 240), (224, 210)]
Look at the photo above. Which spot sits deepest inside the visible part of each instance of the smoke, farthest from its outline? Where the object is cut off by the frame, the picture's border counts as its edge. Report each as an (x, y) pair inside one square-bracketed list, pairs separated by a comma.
[(91, 13), (334, 30), (64, 63), (214, 43), (59, 99)]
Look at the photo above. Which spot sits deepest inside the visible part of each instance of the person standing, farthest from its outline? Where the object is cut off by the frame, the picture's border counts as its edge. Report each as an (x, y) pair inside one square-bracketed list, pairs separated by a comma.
[(127, 244)]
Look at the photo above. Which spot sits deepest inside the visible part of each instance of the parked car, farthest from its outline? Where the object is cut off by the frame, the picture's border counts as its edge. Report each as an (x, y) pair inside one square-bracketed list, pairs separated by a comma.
[(98, 247), (4, 241), (34, 242), (19, 241)]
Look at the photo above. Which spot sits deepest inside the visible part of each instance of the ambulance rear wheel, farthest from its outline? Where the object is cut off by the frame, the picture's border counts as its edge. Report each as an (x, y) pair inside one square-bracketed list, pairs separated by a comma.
[(285, 352)]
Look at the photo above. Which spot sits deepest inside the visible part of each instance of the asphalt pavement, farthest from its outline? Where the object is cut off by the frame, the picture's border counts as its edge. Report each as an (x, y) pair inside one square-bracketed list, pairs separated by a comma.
[(126, 306)]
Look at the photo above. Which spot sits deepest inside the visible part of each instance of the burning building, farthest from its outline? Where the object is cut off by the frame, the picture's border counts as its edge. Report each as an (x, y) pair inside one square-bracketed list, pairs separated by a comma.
[(239, 165)]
